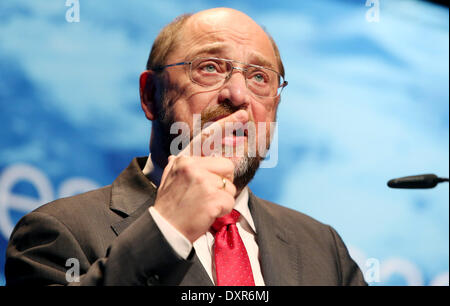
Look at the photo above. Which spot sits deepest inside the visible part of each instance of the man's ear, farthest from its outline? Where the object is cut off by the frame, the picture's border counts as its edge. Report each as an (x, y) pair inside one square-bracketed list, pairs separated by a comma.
[(147, 88)]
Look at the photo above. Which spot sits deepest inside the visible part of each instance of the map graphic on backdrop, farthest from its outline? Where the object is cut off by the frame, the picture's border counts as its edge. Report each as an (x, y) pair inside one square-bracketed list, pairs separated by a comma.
[(367, 101)]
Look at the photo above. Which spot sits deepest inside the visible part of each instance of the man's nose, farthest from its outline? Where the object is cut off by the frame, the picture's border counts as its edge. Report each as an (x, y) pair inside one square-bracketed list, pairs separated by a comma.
[(235, 89)]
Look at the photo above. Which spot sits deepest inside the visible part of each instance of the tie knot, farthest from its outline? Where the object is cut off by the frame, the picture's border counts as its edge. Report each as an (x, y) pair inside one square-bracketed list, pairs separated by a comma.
[(228, 219)]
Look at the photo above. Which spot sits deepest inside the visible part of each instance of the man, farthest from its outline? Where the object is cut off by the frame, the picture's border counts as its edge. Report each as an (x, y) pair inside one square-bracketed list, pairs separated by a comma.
[(189, 218)]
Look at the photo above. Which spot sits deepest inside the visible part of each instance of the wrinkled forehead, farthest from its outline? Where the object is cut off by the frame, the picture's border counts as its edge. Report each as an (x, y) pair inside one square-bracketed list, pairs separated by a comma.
[(224, 19), (226, 33)]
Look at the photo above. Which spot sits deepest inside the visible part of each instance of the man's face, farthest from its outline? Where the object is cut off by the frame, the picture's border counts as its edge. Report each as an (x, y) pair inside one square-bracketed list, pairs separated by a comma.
[(224, 34)]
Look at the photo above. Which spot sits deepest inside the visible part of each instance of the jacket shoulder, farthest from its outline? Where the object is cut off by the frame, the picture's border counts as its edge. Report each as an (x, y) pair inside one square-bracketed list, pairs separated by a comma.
[(322, 251), (84, 218), (293, 218), (68, 207), (312, 235)]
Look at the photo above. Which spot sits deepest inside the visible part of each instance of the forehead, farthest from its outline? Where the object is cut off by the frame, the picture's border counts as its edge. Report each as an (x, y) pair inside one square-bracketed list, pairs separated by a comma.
[(231, 35)]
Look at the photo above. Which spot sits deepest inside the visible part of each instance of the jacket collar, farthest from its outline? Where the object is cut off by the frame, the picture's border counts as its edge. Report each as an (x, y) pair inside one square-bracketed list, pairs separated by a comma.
[(132, 188), (279, 257)]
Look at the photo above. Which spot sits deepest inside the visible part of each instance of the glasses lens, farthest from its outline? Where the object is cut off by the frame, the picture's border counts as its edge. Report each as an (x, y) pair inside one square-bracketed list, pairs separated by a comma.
[(263, 82), (212, 72), (209, 72)]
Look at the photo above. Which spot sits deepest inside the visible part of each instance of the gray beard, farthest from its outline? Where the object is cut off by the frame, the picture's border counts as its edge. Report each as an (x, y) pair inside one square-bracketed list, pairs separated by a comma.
[(244, 171)]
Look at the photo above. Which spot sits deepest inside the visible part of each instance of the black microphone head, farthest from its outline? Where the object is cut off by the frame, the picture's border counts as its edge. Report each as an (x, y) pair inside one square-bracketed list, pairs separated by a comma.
[(414, 182)]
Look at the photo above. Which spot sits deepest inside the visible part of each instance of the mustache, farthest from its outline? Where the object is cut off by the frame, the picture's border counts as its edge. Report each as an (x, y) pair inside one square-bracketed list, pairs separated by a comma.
[(216, 112)]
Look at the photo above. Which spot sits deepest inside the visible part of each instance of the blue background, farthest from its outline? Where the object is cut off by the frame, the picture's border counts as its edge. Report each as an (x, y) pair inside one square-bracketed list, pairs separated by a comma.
[(366, 102)]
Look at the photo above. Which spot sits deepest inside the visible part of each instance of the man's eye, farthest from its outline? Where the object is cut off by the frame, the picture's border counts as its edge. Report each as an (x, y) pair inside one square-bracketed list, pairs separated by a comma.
[(258, 78), (210, 68)]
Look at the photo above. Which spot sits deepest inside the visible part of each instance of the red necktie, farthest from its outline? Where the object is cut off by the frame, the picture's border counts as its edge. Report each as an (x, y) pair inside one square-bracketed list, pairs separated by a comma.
[(232, 263)]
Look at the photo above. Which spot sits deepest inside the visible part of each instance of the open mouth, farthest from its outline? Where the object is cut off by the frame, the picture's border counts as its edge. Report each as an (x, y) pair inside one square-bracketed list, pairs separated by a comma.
[(234, 134), (236, 138), (240, 132)]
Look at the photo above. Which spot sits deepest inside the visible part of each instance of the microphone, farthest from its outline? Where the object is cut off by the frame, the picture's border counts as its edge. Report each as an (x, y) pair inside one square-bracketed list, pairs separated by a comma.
[(422, 181)]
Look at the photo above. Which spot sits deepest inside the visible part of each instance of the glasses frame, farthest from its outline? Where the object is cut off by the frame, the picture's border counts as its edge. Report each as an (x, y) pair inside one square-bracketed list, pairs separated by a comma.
[(282, 84)]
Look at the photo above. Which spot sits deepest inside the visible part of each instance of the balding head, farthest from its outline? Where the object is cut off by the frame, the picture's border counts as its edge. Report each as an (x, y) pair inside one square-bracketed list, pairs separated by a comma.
[(174, 36)]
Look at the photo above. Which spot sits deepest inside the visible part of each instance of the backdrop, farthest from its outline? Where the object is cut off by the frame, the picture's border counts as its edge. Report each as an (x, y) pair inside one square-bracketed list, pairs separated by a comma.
[(368, 100)]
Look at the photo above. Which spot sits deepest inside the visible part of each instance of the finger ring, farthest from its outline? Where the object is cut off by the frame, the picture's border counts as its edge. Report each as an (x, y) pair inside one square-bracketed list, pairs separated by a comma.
[(224, 181)]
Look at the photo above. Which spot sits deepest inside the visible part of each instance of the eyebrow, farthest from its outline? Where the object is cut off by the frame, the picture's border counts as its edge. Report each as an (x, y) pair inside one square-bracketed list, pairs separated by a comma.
[(258, 59), (219, 49)]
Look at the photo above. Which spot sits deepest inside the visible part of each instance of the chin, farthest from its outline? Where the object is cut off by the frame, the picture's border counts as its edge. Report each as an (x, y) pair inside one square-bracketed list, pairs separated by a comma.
[(244, 170)]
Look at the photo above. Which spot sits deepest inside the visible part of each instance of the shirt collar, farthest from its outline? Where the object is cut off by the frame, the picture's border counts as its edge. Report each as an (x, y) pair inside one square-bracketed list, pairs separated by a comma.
[(241, 205), (152, 171)]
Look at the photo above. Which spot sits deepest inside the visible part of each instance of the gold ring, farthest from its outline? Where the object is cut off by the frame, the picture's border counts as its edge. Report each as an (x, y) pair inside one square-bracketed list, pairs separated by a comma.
[(224, 181)]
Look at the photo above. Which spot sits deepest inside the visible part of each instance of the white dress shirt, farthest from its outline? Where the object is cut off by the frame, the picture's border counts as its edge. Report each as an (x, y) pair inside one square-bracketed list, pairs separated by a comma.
[(204, 244)]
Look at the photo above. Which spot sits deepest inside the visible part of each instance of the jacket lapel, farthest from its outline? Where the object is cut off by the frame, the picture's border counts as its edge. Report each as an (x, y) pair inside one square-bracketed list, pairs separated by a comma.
[(279, 258), (132, 193), (196, 275), (131, 189)]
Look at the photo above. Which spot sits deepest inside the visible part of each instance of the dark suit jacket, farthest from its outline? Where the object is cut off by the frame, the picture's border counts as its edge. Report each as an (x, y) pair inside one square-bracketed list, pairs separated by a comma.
[(114, 238)]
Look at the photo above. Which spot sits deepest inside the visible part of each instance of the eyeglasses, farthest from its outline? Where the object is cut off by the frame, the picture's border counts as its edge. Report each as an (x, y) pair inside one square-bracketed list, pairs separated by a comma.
[(213, 72)]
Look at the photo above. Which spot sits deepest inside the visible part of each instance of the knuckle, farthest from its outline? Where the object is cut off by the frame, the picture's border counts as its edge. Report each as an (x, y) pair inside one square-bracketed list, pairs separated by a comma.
[(227, 206), (215, 211), (223, 205), (233, 189), (184, 166), (181, 160), (227, 201), (228, 164), (203, 182), (227, 167)]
